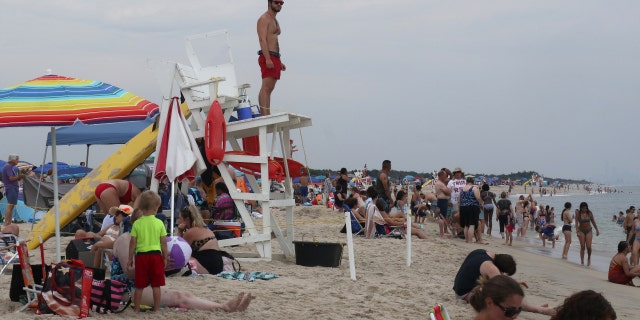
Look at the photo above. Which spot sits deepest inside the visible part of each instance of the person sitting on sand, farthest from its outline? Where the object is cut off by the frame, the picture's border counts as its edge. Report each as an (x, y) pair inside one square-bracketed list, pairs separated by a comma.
[(585, 305), (497, 298), (170, 297), (109, 232), (398, 216), (108, 236), (374, 224), (484, 263), (619, 270), (204, 245)]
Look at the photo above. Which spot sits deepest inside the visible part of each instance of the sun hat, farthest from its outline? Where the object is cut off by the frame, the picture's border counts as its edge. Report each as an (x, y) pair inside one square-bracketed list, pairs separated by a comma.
[(126, 209), (457, 169)]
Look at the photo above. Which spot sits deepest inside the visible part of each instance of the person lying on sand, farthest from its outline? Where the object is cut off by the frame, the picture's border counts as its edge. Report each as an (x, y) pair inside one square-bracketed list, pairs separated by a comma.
[(170, 298)]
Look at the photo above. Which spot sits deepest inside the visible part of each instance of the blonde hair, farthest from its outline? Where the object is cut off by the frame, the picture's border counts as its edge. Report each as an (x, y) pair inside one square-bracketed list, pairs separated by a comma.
[(149, 201), (193, 213)]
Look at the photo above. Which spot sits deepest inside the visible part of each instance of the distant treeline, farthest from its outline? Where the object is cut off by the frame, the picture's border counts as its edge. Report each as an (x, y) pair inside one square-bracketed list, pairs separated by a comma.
[(399, 175)]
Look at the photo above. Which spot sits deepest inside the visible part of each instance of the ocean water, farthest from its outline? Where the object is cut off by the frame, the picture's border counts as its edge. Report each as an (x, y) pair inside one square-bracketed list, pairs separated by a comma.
[(603, 206)]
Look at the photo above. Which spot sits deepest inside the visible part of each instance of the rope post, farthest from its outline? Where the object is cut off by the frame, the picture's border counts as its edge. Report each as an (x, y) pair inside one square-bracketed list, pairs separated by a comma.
[(352, 262)]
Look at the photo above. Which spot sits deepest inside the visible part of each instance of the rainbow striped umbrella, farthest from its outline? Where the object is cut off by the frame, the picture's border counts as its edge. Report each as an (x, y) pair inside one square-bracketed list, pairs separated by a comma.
[(59, 101), (53, 100)]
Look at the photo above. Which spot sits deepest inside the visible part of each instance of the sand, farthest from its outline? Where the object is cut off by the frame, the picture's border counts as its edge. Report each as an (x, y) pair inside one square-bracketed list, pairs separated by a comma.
[(385, 287)]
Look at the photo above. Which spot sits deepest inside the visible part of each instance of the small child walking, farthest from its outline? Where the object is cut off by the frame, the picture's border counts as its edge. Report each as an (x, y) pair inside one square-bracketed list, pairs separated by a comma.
[(511, 225), (148, 242)]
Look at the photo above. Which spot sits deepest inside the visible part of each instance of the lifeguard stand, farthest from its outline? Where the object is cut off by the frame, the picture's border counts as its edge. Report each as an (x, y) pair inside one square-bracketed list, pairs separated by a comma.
[(199, 84)]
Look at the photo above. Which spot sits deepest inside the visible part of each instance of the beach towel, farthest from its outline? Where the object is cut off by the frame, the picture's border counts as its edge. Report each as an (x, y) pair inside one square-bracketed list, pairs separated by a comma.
[(249, 276)]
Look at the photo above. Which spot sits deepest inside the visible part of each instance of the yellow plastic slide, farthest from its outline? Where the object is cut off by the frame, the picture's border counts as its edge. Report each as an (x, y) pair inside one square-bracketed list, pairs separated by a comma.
[(116, 166)]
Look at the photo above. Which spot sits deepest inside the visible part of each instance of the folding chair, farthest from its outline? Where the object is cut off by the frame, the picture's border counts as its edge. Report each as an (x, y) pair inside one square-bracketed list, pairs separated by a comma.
[(356, 227), (8, 251), (30, 287)]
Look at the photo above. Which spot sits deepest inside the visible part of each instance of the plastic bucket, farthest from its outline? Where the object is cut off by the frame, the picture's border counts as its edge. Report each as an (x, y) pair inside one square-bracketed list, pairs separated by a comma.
[(324, 254), (244, 113)]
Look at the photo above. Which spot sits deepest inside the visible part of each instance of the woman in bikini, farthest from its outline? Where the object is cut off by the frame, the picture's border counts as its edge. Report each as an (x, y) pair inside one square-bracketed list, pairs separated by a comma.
[(113, 193), (619, 270), (109, 235), (567, 219), (204, 245), (585, 219)]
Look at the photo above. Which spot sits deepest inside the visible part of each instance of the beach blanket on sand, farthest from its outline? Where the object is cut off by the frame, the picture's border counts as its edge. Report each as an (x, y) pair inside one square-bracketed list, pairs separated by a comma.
[(249, 276)]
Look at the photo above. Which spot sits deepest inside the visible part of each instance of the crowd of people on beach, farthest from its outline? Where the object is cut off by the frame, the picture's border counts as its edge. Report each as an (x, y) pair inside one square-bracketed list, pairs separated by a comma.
[(461, 209), (465, 210)]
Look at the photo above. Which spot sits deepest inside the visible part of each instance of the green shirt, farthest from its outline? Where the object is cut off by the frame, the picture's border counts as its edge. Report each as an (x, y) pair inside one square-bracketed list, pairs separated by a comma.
[(148, 230)]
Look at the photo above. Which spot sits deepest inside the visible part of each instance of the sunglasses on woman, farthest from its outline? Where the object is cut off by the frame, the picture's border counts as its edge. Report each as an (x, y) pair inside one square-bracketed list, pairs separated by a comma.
[(510, 312)]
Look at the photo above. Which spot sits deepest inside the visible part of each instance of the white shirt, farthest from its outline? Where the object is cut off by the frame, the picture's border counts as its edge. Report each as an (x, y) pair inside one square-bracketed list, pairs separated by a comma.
[(456, 185), (108, 221)]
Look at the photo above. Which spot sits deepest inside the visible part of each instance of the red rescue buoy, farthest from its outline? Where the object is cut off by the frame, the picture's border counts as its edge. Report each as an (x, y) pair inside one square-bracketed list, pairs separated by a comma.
[(215, 134)]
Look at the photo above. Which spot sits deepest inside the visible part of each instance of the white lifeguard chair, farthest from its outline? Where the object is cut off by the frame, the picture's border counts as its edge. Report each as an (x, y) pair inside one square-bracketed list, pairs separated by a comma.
[(200, 84)]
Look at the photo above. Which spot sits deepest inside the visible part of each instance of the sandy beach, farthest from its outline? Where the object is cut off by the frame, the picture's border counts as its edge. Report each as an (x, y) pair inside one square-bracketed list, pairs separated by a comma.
[(385, 286)]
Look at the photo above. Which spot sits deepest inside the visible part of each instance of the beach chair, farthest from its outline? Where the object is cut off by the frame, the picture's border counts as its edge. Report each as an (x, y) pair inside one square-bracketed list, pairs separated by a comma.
[(31, 288), (356, 227), (8, 251), (439, 312)]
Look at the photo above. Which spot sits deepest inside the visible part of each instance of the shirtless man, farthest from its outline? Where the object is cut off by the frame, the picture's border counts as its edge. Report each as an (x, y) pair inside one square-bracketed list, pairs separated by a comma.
[(442, 194), (383, 184), (269, 54)]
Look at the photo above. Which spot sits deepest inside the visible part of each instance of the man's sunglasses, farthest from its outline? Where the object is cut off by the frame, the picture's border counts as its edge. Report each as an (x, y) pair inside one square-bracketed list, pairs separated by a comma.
[(510, 311), (278, 2)]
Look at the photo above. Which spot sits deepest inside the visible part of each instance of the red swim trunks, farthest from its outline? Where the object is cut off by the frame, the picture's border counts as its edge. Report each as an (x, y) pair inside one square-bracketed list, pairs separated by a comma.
[(273, 72), (149, 270)]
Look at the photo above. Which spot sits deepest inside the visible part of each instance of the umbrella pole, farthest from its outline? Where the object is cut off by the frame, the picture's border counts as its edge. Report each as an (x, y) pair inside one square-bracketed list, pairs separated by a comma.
[(86, 162), (173, 195), (55, 190)]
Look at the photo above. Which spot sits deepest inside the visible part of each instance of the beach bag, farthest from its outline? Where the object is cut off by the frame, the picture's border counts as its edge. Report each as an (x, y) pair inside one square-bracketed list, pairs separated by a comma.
[(66, 290), (229, 263), (107, 296)]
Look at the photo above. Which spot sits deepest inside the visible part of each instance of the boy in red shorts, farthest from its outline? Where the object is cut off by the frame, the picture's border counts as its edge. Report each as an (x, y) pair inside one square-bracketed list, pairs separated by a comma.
[(148, 241)]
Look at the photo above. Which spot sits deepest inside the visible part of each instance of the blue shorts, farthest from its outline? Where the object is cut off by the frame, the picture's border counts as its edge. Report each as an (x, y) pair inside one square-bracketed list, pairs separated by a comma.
[(443, 205), (12, 195)]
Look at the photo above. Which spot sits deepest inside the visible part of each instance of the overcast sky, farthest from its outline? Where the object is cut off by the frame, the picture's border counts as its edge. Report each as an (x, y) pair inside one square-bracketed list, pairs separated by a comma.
[(490, 86)]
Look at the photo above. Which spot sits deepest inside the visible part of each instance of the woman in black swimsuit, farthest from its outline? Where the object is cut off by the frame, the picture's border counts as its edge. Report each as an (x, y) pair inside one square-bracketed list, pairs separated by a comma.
[(566, 228), (203, 242)]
